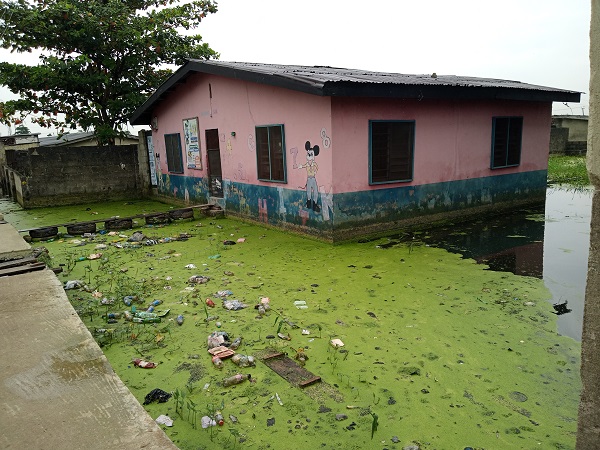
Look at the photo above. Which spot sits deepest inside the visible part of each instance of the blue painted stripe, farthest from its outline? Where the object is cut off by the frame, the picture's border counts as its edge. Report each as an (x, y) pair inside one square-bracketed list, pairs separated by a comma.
[(279, 206)]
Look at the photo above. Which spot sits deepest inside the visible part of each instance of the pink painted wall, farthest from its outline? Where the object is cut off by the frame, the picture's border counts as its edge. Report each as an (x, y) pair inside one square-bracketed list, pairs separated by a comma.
[(452, 138), (239, 106)]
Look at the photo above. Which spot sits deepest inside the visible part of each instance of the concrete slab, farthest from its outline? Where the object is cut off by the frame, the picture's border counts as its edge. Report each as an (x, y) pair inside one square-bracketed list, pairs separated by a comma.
[(12, 244), (57, 389)]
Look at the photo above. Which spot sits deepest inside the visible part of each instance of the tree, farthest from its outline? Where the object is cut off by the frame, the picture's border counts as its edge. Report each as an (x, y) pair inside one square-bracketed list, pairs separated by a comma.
[(100, 59), (22, 129)]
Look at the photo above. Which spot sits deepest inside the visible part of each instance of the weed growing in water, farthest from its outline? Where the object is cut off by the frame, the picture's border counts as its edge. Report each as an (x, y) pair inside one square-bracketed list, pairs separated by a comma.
[(374, 424)]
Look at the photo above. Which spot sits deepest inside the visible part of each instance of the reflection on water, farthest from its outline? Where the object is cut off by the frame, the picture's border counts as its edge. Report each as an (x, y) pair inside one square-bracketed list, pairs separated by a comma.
[(550, 243), (566, 249)]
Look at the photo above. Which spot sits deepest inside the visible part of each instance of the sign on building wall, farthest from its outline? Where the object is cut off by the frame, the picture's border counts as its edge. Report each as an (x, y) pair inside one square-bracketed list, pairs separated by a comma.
[(151, 160), (192, 143)]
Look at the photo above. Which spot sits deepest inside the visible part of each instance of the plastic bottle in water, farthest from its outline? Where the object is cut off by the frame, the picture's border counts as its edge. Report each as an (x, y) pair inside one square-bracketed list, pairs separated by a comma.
[(150, 308), (179, 319), (236, 343), (236, 379), (128, 300), (156, 302), (218, 363), (219, 418), (146, 320)]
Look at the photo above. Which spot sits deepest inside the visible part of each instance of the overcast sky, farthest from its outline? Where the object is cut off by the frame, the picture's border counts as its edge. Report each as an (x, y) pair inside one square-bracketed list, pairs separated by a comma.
[(544, 42)]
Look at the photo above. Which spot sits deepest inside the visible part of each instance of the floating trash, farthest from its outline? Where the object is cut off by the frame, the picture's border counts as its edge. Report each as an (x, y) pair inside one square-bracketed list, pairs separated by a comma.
[(156, 395), (164, 420)]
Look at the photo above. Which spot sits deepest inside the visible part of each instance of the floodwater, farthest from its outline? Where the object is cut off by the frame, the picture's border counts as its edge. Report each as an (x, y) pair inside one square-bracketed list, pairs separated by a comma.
[(438, 351), (551, 244)]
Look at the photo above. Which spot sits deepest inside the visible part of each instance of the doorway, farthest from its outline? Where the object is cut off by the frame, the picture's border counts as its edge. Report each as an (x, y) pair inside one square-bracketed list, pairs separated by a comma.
[(214, 163)]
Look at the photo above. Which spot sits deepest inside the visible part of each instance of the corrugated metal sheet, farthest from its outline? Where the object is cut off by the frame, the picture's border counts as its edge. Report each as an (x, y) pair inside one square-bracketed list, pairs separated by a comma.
[(333, 81), (320, 75)]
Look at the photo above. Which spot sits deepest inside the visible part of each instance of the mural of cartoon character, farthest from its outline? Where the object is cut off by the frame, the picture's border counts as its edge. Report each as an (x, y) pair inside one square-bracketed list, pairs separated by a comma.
[(311, 166)]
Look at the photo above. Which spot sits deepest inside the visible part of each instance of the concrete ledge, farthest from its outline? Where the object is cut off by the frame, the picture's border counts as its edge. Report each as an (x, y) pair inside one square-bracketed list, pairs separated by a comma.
[(58, 390), (12, 244)]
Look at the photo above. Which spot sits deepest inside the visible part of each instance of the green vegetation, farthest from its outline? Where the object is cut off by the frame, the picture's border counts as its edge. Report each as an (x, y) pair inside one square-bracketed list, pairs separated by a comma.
[(438, 351), (100, 59), (568, 170)]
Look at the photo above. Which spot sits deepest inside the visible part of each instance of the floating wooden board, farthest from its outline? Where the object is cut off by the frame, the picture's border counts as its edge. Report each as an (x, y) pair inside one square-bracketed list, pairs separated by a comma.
[(290, 370)]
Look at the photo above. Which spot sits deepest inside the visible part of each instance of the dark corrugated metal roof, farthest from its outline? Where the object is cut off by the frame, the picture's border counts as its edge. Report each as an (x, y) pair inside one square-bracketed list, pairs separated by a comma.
[(333, 81)]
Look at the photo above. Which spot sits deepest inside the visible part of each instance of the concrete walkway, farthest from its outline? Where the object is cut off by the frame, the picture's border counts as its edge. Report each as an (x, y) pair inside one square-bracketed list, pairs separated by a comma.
[(57, 389)]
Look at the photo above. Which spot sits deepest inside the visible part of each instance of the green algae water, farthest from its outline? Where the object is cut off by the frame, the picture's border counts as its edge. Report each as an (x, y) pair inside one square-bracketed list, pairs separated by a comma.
[(438, 353)]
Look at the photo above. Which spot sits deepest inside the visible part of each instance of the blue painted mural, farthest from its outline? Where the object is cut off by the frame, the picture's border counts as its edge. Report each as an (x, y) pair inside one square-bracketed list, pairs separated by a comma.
[(279, 206)]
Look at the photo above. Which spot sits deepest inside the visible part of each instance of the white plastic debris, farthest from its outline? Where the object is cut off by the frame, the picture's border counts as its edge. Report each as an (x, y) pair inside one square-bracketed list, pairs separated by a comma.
[(207, 422), (164, 420), (336, 343), (190, 266), (73, 284)]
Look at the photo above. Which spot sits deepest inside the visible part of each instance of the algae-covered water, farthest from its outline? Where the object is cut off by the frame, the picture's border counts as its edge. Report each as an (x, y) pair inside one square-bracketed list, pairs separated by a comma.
[(438, 352)]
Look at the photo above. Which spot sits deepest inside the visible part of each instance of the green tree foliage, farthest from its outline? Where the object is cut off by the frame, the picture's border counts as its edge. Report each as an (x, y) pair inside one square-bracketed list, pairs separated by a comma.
[(100, 59), (22, 129)]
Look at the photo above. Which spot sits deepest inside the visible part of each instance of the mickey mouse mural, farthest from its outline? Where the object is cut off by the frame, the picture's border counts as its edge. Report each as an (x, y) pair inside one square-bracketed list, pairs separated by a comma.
[(311, 166)]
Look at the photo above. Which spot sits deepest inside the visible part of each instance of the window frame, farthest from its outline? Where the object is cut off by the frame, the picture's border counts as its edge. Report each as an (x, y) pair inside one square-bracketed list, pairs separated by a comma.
[(508, 152), (411, 155), (169, 152), (270, 153)]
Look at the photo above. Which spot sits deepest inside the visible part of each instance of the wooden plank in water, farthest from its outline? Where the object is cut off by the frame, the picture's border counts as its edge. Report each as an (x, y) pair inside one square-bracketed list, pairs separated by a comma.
[(290, 370)]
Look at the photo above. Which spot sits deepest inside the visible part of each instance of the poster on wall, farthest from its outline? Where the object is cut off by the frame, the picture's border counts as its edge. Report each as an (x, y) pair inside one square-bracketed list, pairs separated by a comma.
[(192, 143)]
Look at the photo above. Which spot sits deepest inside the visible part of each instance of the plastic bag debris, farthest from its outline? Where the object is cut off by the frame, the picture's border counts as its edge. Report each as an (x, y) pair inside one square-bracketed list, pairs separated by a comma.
[(207, 422), (199, 279), (217, 338), (137, 236), (190, 266), (234, 305), (164, 420), (156, 395), (243, 360), (73, 284)]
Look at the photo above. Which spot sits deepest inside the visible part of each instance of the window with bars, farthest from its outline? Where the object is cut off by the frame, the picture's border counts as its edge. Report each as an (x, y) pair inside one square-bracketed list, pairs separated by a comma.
[(270, 153), (174, 157), (506, 141), (391, 149)]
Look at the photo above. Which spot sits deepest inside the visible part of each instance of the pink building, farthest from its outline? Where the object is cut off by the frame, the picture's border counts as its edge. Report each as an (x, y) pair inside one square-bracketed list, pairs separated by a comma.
[(342, 152)]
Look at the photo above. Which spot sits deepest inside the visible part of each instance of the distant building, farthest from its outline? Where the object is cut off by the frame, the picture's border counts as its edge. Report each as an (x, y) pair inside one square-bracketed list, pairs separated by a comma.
[(342, 152), (569, 134)]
